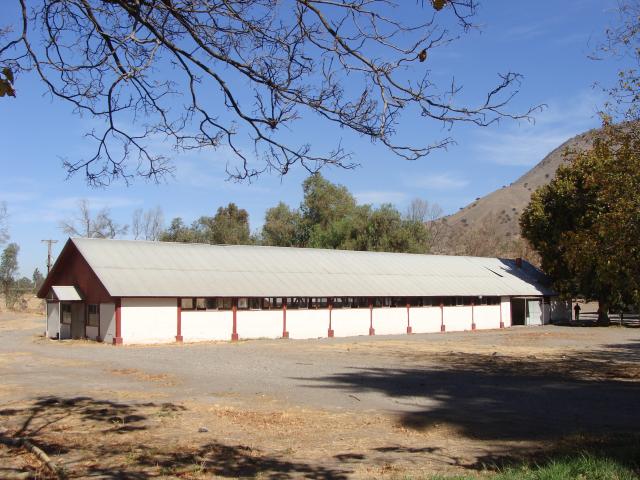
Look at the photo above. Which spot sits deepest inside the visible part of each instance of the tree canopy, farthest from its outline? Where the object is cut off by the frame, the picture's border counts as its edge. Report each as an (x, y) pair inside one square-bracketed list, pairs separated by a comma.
[(8, 269), (240, 73), (230, 225), (330, 217), (585, 224)]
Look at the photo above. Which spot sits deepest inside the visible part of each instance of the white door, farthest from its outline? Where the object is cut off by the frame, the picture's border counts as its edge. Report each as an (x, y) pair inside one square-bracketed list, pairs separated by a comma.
[(534, 312), (53, 319)]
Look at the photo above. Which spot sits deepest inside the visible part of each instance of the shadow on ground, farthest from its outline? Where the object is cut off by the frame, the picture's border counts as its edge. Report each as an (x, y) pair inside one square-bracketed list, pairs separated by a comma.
[(495, 397), (118, 448)]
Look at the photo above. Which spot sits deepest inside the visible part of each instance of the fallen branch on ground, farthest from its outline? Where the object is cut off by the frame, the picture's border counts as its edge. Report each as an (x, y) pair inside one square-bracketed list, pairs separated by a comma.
[(25, 443)]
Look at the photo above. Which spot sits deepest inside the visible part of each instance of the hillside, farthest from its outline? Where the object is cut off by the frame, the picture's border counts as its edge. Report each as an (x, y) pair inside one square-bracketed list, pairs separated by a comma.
[(501, 209)]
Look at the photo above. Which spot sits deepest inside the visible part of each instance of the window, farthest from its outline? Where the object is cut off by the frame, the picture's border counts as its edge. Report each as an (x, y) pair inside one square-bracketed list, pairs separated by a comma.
[(201, 304), (449, 301), (266, 303), (415, 301), (187, 304), (93, 316), (212, 304), (338, 302), (243, 303), (319, 302), (297, 303), (225, 303), (363, 302), (65, 309), (254, 303)]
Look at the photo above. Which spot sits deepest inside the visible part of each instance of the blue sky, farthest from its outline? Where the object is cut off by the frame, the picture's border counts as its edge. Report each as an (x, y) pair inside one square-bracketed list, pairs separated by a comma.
[(546, 41)]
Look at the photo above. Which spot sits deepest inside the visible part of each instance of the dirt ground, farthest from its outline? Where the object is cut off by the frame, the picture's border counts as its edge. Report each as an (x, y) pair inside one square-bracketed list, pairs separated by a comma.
[(363, 407)]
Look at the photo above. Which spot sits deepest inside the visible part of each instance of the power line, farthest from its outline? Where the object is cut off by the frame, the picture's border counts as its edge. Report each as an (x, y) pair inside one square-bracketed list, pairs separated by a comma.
[(49, 243)]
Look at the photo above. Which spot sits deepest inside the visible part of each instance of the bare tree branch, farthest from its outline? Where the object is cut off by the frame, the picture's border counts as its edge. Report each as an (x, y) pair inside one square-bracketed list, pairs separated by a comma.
[(84, 224), (198, 74)]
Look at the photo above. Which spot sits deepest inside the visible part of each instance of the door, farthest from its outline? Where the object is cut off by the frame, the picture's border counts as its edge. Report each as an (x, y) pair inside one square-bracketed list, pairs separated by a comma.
[(77, 320), (53, 319), (518, 309), (534, 312)]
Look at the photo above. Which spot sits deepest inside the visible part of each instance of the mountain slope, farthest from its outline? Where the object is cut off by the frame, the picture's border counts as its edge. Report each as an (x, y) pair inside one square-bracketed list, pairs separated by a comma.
[(502, 208)]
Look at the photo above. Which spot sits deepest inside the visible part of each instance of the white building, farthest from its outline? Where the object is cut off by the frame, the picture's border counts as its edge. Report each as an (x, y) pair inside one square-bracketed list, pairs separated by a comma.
[(122, 291)]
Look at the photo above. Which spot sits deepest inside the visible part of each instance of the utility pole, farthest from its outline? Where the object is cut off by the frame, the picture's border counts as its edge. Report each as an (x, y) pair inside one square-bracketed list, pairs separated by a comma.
[(49, 243)]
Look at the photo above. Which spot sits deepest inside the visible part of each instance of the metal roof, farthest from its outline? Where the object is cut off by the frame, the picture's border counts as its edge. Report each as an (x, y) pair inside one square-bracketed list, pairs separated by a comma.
[(66, 294), (130, 268)]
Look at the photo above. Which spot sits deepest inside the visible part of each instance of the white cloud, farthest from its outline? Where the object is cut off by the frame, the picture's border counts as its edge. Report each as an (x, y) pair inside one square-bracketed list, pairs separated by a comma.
[(526, 144), (438, 181), (380, 196)]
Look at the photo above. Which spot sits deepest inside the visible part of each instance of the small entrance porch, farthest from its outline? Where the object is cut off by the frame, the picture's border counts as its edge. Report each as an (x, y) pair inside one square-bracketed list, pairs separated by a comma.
[(66, 313)]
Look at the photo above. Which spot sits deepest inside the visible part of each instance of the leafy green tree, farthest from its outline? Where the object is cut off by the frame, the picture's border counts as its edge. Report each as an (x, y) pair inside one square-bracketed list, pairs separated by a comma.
[(9, 268), (178, 232), (230, 226), (585, 224), (324, 202), (282, 227)]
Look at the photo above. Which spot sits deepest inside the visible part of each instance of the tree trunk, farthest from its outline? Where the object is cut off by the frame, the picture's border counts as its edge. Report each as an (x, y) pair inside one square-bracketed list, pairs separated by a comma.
[(603, 313)]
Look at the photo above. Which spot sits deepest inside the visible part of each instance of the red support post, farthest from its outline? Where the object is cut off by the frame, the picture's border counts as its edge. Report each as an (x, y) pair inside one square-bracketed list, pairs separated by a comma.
[(409, 329), (372, 331), (330, 332), (501, 322), (285, 333), (117, 340), (442, 327), (234, 334), (179, 321), (473, 321)]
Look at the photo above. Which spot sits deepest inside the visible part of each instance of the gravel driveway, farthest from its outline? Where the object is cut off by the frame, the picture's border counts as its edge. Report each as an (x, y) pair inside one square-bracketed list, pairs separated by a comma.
[(489, 390)]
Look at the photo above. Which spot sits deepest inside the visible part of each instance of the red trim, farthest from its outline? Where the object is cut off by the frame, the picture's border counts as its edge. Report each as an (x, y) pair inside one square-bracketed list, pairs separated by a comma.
[(86, 318), (117, 340), (285, 333), (409, 329), (442, 326), (372, 331), (234, 334), (179, 321), (501, 322), (330, 332), (473, 321)]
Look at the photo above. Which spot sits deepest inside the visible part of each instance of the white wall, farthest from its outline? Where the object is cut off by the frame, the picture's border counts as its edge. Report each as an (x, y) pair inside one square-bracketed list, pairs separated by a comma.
[(486, 316), (206, 325), (148, 320), (308, 323), (107, 322), (425, 319), (505, 305), (259, 323), (348, 322), (390, 321), (457, 319)]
